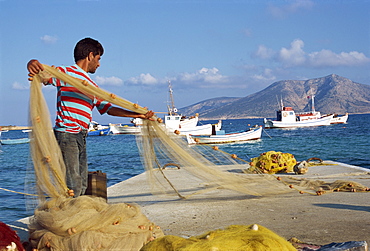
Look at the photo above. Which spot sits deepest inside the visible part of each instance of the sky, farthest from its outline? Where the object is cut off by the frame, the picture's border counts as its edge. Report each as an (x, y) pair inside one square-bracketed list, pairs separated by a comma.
[(205, 48)]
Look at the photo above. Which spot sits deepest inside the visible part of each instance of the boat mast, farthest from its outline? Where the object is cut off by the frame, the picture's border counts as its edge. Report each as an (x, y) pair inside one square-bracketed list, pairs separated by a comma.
[(172, 108), (313, 103)]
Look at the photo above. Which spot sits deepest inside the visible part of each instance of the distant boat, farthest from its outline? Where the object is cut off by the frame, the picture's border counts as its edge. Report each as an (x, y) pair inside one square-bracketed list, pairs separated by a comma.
[(287, 118), (96, 129), (183, 125), (3, 131), (220, 138), (124, 129), (14, 141), (172, 124)]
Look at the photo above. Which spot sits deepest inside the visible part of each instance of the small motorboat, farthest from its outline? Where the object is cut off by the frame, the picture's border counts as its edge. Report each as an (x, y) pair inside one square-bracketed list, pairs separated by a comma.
[(124, 129), (14, 141), (96, 129), (222, 137)]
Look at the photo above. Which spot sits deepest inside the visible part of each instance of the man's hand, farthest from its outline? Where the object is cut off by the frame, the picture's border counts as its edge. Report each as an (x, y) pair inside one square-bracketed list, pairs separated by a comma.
[(34, 67), (149, 115)]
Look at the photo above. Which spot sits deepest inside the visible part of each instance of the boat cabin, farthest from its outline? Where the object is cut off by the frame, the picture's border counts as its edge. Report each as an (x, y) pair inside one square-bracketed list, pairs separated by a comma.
[(286, 114), (172, 121)]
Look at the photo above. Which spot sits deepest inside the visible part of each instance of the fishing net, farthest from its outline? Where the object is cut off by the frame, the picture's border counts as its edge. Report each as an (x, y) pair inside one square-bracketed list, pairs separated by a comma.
[(235, 237), (86, 223), (273, 162)]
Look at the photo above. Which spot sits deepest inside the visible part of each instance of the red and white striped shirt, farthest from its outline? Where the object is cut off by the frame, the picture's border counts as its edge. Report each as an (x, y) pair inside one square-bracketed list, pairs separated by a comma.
[(74, 109)]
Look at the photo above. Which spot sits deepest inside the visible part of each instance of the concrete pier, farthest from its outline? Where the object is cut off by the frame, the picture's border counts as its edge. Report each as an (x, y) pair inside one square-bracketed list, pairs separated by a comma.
[(333, 217)]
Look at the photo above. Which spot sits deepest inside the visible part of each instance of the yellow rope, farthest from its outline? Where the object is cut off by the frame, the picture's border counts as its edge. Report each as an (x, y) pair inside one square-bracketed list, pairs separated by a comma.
[(12, 191)]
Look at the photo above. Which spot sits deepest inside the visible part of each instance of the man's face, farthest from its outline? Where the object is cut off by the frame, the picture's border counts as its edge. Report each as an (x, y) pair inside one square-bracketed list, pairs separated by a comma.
[(94, 63)]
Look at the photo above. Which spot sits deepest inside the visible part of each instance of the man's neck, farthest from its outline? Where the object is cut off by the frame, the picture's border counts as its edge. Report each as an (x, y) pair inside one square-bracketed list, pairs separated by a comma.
[(83, 64)]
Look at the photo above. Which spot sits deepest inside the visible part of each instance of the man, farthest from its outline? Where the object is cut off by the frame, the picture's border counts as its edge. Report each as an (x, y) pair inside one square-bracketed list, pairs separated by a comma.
[(74, 111)]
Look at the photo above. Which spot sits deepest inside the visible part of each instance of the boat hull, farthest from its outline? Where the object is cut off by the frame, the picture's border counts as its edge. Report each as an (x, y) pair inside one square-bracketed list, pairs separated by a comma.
[(252, 134), (339, 119), (14, 141), (101, 132), (124, 129), (307, 123)]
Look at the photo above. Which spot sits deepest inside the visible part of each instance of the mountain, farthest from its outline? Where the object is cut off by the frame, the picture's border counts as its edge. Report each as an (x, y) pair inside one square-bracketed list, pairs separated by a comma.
[(333, 94)]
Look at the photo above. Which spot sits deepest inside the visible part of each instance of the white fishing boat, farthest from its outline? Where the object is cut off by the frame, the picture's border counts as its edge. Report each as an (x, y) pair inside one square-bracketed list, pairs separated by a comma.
[(185, 122), (222, 137), (172, 125), (287, 118), (124, 129), (174, 122)]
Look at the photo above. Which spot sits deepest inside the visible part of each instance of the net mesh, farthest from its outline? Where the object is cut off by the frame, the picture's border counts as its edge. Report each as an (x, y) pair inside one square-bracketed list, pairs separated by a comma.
[(84, 223)]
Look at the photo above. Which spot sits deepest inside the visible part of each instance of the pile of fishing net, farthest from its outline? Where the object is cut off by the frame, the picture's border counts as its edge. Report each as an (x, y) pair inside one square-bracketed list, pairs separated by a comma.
[(235, 237), (89, 223), (273, 162)]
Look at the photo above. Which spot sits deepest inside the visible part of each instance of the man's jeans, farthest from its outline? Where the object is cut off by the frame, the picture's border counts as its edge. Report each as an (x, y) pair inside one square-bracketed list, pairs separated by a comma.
[(73, 147)]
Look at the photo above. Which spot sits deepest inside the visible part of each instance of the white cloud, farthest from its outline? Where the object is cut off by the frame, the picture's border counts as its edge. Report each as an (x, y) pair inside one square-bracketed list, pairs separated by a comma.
[(203, 78), (329, 58), (20, 86), (294, 56), (206, 75), (293, 7), (113, 81), (144, 79), (264, 52), (266, 76), (47, 39)]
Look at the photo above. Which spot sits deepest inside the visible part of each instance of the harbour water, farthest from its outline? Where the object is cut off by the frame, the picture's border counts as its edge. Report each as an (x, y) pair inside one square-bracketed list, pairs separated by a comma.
[(118, 156)]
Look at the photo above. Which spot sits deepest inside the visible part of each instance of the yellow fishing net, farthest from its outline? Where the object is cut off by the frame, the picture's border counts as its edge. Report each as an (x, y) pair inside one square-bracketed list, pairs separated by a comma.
[(235, 237), (273, 162), (89, 223)]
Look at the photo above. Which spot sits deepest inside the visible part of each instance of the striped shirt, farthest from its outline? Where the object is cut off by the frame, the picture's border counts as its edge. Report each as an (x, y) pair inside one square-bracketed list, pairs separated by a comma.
[(74, 109)]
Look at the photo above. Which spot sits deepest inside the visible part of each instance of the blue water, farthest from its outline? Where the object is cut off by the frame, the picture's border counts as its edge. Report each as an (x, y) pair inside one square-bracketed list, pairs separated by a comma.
[(117, 155)]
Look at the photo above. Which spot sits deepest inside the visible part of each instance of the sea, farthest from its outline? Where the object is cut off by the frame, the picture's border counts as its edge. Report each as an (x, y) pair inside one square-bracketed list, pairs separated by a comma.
[(118, 155)]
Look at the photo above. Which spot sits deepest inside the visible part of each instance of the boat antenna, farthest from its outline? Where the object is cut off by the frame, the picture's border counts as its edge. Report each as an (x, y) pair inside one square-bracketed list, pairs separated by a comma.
[(281, 102)]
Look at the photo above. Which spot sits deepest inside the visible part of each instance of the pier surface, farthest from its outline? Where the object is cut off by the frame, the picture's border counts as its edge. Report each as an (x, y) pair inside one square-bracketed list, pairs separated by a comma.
[(332, 217)]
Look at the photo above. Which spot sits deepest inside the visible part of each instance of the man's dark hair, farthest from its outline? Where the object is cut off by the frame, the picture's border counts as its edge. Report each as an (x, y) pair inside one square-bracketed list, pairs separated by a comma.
[(85, 46)]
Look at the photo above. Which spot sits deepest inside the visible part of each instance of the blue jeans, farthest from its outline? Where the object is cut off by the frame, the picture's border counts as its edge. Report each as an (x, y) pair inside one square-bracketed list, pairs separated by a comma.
[(73, 147)]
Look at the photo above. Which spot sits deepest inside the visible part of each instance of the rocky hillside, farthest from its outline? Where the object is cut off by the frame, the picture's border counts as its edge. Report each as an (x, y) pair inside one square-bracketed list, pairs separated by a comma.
[(333, 94)]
